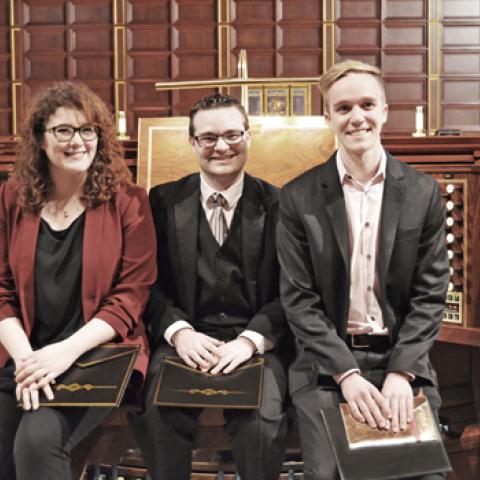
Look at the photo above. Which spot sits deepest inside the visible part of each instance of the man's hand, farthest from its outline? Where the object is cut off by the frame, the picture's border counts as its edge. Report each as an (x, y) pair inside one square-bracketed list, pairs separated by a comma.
[(366, 403), (233, 354), (196, 349), (397, 390), (43, 366)]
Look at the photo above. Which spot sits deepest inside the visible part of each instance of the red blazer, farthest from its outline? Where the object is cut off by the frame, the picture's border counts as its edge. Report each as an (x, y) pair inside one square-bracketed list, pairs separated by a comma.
[(118, 266)]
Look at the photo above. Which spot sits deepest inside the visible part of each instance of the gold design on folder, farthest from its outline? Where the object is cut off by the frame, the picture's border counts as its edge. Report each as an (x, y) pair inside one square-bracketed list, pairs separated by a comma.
[(422, 429), (209, 392), (75, 387)]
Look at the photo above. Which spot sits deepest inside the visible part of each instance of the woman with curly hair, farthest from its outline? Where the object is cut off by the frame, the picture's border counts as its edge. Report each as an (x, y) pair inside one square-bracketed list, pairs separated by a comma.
[(77, 257)]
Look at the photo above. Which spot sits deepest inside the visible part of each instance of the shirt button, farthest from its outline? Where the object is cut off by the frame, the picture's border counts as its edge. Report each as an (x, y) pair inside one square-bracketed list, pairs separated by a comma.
[(369, 257), (367, 224), (369, 288)]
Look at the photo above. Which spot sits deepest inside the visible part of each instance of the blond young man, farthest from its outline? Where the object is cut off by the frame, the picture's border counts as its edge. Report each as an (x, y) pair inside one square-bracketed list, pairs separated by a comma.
[(364, 273)]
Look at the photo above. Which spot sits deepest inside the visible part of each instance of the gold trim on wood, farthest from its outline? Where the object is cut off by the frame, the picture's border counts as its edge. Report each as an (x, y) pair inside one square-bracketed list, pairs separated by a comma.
[(219, 38), (119, 56), (228, 29), (15, 85), (234, 82), (13, 59), (434, 66), (119, 30), (12, 13)]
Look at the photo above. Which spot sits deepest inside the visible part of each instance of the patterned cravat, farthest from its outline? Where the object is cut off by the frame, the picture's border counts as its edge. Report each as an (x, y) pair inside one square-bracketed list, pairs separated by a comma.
[(218, 222)]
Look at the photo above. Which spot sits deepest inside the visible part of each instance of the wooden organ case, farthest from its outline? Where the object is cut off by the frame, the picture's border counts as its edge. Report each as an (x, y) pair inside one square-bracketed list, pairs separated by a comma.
[(455, 163)]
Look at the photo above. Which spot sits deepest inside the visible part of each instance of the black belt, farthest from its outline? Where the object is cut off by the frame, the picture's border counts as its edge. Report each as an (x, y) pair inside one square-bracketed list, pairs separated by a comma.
[(372, 343)]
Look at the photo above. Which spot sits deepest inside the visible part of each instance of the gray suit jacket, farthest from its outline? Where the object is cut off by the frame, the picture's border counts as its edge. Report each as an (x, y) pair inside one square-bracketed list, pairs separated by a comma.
[(313, 248)]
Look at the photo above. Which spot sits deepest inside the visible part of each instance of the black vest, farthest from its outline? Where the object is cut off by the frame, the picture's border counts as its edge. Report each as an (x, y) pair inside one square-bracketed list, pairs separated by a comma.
[(221, 307)]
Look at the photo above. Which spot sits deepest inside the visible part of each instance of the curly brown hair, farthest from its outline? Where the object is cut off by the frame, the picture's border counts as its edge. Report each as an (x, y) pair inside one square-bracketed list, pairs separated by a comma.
[(108, 171)]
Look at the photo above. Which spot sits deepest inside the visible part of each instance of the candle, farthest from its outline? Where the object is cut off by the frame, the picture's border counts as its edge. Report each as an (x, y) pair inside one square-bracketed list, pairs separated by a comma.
[(419, 118), (122, 123)]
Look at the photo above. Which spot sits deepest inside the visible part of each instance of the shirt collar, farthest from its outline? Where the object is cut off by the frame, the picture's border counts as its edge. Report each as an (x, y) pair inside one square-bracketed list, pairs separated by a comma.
[(232, 194), (343, 174)]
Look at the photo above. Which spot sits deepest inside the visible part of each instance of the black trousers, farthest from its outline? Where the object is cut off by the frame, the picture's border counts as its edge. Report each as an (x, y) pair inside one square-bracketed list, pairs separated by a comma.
[(165, 434), (319, 461), (37, 444)]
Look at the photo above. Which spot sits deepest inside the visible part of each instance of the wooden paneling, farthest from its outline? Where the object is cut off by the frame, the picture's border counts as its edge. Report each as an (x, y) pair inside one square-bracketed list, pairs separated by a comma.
[(5, 72), (62, 40), (460, 67), (282, 38), (124, 46), (394, 36)]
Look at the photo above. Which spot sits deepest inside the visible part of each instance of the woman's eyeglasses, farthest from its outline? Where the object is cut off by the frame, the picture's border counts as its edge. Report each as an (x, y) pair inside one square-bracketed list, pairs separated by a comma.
[(64, 133)]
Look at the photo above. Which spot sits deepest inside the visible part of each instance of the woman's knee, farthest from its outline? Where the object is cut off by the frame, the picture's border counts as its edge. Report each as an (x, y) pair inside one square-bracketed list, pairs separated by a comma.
[(40, 435)]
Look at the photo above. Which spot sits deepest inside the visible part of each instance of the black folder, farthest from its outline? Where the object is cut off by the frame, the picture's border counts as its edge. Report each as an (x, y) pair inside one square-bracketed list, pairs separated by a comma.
[(179, 385), (96, 379), (382, 462)]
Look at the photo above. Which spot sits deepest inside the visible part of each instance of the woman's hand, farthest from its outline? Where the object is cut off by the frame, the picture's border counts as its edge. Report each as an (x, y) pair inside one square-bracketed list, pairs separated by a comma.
[(29, 397), (43, 366)]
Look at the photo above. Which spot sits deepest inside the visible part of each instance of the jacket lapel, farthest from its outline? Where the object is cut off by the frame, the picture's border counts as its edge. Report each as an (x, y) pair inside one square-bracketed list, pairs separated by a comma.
[(186, 233), (393, 197), (91, 259), (335, 206), (253, 221), (26, 253)]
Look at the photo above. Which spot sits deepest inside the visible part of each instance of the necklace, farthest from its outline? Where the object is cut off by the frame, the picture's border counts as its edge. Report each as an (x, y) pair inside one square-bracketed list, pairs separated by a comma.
[(55, 210)]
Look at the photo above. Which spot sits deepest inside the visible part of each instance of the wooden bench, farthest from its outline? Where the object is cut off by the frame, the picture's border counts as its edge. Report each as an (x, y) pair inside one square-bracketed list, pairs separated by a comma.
[(112, 448)]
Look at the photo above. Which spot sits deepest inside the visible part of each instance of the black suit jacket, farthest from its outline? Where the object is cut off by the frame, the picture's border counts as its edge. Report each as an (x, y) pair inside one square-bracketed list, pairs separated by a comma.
[(175, 209), (313, 248)]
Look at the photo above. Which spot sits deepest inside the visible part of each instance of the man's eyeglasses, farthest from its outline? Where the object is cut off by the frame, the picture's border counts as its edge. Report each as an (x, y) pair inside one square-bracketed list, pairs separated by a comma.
[(209, 140), (64, 133)]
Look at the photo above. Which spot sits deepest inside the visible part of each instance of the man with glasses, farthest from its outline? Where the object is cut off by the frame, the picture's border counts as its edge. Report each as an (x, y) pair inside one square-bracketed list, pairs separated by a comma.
[(215, 303)]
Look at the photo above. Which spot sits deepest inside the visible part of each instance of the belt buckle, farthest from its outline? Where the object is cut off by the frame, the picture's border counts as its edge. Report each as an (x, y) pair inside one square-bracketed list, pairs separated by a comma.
[(358, 345)]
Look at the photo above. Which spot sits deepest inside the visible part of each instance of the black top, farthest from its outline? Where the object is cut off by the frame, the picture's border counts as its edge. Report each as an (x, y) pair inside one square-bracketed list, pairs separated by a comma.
[(58, 289)]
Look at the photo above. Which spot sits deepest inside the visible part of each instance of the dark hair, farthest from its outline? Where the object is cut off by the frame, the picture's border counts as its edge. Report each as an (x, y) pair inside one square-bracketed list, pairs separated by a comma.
[(217, 100), (107, 173)]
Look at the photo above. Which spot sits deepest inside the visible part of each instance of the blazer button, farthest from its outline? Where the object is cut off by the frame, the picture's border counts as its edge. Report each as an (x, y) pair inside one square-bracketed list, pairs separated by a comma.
[(222, 316)]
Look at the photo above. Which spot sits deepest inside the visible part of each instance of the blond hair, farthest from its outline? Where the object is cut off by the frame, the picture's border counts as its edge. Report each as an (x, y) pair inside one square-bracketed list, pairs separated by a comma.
[(342, 69)]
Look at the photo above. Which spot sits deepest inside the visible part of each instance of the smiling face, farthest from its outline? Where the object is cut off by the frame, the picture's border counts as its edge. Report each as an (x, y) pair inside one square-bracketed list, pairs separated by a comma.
[(221, 164), (356, 113), (74, 156)]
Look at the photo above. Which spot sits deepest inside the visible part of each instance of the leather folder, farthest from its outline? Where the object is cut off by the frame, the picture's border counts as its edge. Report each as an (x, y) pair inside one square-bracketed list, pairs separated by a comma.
[(363, 453), (96, 379), (179, 385)]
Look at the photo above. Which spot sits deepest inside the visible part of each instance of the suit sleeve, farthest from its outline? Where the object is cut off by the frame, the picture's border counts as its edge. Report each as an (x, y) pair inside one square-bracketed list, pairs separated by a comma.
[(123, 307), (162, 310), (314, 331), (428, 288), (8, 297)]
